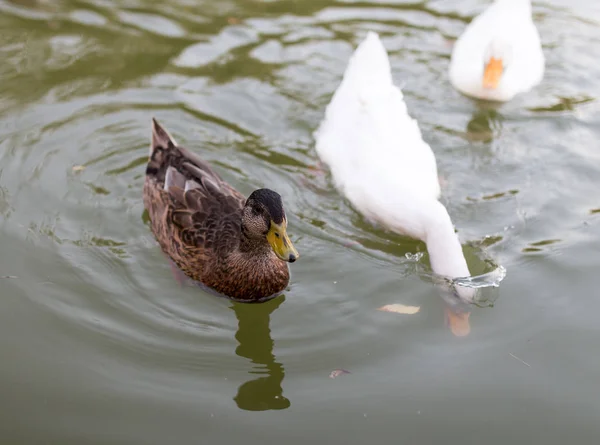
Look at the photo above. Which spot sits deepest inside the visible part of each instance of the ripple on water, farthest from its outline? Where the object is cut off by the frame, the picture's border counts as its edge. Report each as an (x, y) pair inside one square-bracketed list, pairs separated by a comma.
[(120, 296), (246, 93)]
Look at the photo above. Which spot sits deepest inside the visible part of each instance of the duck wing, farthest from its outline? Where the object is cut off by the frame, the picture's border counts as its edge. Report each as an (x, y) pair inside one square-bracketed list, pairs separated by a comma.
[(203, 210)]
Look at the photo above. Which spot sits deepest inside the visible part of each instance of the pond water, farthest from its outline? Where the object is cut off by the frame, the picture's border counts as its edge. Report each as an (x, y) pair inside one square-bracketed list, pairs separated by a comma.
[(99, 343)]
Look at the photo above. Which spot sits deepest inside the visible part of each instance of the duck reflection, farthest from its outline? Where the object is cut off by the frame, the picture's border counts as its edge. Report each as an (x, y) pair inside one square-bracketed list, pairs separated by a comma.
[(485, 124), (255, 343)]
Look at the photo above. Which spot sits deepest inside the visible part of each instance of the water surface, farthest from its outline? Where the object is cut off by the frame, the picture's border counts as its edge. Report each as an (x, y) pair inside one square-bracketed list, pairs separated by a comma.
[(99, 344)]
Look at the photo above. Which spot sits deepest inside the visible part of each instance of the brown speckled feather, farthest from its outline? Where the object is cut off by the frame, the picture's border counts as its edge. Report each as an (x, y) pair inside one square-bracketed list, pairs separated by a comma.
[(196, 218)]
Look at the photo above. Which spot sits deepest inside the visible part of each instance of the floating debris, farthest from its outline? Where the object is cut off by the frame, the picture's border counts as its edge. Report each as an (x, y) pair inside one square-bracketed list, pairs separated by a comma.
[(400, 309), (8, 277), (521, 360), (338, 372), (78, 168)]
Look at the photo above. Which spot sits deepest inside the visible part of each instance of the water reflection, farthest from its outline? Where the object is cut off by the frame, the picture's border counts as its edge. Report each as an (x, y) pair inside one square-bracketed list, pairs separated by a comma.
[(563, 104), (485, 124), (255, 343)]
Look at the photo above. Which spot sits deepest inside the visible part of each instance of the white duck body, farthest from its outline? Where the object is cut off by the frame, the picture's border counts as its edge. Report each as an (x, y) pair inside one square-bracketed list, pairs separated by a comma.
[(380, 163), (504, 31)]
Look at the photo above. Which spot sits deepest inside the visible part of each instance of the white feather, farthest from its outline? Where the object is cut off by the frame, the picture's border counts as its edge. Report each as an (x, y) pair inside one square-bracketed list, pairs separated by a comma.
[(190, 185), (169, 178), (380, 162)]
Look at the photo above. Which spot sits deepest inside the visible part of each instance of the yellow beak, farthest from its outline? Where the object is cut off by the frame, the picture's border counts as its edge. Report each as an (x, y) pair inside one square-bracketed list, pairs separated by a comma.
[(492, 73), (280, 242)]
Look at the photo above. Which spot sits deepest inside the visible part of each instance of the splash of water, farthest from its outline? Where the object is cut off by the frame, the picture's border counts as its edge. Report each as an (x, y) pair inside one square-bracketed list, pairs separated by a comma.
[(414, 257), (489, 279), (483, 284)]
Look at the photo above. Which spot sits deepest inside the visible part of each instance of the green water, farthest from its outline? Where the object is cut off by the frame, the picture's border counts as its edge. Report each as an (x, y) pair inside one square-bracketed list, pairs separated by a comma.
[(99, 344)]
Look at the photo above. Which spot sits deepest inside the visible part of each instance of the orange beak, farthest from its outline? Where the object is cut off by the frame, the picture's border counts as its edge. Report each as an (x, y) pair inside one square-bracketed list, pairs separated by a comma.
[(492, 73), (458, 322)]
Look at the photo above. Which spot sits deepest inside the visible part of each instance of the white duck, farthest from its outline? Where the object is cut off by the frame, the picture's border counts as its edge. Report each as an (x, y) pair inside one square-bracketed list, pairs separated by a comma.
[(499, 55), (379, 161)]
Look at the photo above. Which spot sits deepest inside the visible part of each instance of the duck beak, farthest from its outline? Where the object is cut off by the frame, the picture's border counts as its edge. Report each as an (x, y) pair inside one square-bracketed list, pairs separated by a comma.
[(281, 243), (458, 322), (492, 73)]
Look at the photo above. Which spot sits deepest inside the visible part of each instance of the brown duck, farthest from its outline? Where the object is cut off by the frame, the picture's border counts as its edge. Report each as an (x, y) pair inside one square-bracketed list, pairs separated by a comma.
[(237, 246)]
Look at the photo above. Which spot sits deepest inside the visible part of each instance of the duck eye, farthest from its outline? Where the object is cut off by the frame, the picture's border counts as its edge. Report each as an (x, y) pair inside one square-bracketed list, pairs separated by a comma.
[(277, 234)]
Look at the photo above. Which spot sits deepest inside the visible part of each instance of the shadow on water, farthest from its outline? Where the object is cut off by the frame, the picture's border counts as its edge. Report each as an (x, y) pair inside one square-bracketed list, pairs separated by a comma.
[(255, 343)]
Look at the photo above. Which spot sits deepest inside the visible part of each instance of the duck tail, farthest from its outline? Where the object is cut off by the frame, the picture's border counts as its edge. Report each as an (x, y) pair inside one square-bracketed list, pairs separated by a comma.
[(161, 146), (370, 63)]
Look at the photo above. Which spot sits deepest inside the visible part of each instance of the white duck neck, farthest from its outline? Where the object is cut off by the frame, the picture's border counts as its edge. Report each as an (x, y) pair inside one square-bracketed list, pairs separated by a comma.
[(445, 251)]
